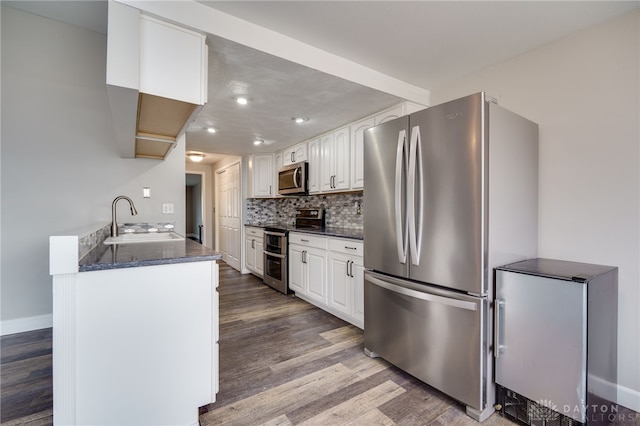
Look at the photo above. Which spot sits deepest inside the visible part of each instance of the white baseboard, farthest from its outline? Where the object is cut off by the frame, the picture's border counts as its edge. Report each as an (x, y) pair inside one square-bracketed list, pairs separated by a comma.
[(21, 325), (629, 398)]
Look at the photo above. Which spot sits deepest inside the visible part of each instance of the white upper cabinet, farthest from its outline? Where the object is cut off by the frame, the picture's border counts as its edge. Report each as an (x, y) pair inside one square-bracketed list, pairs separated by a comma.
[(357, 152), (295, 154), (314, 165), (156, 81), (261, 176), (401, 110), (172, 62), (334, 159)]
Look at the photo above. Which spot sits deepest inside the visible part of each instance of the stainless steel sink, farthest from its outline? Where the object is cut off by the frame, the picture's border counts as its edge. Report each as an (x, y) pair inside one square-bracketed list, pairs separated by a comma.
[(144, 238)]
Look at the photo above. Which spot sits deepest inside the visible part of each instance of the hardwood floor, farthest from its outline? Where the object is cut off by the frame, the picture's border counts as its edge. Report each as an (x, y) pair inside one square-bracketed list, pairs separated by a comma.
[(282, 362), (285, 362), (26, 378)]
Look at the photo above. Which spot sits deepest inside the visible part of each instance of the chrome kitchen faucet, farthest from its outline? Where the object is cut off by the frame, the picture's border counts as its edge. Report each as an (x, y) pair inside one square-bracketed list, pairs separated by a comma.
[(114, 224)]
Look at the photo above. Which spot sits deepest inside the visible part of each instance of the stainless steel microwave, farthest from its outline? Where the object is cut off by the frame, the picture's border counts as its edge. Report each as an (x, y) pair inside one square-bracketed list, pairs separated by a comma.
[(293, 179)]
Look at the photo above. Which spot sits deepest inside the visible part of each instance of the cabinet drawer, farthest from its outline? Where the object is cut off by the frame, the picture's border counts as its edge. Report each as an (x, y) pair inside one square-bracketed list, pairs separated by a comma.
[(347, 246), (255, 232), (308, 240)]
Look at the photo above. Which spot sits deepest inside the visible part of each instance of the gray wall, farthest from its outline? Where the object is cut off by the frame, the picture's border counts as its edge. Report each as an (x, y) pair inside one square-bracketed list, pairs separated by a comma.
[(584, 92), (59, 168)]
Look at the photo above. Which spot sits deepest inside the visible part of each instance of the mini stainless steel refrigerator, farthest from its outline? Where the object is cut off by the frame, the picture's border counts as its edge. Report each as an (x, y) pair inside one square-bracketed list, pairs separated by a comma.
[(555, 331)]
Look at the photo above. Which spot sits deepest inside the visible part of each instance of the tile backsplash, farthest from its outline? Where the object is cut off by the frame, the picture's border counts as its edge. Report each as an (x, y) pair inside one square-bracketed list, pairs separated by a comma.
[(342, 210)]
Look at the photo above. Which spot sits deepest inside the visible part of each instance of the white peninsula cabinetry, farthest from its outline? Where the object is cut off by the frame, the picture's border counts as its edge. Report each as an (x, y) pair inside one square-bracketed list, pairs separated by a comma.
[(329, 273), (135, 332)]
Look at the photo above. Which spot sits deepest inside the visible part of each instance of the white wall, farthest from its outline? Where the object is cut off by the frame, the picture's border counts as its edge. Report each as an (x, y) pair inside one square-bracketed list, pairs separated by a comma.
[(60, 170), (584, 93)]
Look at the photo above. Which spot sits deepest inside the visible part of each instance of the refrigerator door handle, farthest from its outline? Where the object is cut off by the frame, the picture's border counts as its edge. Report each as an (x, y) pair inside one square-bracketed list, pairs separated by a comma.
[(456, 303), (497, 348), (415, 162), (401, 234)]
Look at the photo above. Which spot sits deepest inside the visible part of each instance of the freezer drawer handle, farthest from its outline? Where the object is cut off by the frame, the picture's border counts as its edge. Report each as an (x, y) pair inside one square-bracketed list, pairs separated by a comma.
[(401, 233), (470, 306), (497, 347)]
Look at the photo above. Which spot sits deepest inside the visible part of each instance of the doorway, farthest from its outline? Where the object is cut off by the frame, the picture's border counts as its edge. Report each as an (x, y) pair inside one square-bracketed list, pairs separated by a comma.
[(194, 220)]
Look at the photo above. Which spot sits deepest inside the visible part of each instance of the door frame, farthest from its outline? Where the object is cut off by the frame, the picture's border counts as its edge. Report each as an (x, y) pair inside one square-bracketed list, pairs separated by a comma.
[(203, 203)]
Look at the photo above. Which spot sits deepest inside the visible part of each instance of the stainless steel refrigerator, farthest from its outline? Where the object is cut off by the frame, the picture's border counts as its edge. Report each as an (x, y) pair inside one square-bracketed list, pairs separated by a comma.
[(450, 193)]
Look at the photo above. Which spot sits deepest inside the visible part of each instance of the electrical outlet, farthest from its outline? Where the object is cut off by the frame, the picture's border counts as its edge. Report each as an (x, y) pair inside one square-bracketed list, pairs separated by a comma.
[(167, 208)]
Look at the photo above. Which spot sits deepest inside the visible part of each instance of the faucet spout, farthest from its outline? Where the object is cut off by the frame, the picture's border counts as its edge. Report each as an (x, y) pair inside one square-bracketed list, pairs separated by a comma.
[(114, 223)]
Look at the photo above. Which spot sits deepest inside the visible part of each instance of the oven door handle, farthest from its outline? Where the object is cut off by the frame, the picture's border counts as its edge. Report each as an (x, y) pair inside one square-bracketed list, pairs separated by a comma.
[(277, 234), (268, 253)]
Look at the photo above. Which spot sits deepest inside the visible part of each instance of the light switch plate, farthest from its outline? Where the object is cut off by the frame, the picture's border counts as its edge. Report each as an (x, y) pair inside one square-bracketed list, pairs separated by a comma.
[(167, 208)]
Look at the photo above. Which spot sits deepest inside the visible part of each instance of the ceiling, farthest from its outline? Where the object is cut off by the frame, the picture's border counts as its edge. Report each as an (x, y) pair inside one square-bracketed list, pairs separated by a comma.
[(425, 43)]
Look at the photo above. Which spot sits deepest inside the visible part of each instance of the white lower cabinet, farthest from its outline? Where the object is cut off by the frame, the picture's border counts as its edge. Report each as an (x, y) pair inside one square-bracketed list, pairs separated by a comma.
[(329, 273), (254, 259), (346, 279), (307, 267)]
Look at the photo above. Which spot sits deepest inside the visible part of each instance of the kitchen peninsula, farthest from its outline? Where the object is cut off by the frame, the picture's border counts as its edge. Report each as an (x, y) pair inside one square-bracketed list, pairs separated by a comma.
[(135, 330)]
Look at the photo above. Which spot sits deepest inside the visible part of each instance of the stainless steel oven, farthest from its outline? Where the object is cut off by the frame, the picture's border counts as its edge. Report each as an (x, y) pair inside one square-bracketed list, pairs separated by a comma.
[(275, 259)]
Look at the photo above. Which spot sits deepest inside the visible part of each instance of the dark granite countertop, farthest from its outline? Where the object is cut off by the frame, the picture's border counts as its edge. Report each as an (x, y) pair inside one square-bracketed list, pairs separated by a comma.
[(354, 234), (117, 256)]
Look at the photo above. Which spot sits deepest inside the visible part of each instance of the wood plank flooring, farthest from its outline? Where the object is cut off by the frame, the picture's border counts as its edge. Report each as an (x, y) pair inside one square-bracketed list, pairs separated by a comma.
[(285, 362), (282, 362)]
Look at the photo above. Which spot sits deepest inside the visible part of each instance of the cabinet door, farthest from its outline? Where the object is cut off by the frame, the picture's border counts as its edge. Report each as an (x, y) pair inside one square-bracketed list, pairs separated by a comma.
[(326, 162), (286, 157), (314, 166), (296, 269), (259, 246), (315, 264), (300, 152), (541, 322), (357, 152), (263, 175), (341, 175), (250, 253), (388, 115), (180, 54), (337, 269), (357, 270)]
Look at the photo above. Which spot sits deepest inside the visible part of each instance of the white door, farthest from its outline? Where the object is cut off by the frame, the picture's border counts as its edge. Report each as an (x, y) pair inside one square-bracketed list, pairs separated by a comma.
[(229, 210)]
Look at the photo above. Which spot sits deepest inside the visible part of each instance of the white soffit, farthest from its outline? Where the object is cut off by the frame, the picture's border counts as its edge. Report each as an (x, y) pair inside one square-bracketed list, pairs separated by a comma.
[(211, 21)]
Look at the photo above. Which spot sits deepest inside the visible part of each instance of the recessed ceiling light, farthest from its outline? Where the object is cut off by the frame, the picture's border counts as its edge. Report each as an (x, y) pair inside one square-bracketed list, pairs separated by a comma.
[(242, 100), (195, 156), (211, 129), (258, 142), (299, 120)]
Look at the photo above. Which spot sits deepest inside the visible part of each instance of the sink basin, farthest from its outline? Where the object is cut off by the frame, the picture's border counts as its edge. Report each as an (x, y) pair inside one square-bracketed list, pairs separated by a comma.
[(144, 238)]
